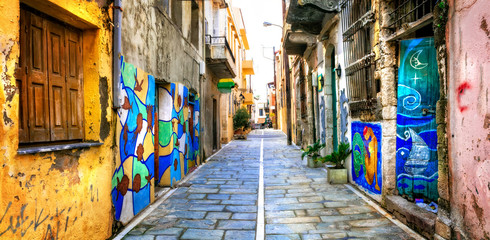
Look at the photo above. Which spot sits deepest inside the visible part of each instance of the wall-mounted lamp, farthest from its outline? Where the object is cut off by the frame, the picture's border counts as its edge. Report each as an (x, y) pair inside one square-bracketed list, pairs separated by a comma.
[(338, 70)]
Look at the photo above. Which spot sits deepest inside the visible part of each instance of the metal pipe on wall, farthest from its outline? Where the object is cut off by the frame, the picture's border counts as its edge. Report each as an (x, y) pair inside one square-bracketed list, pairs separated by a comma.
[(116, 64)]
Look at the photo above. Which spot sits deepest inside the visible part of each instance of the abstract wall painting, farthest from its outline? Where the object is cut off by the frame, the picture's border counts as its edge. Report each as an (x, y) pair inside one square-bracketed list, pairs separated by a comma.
[(366, 156), (133, 178)]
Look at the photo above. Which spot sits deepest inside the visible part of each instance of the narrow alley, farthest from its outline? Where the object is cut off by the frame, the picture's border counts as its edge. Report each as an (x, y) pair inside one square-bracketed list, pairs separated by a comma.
[(222, 200)]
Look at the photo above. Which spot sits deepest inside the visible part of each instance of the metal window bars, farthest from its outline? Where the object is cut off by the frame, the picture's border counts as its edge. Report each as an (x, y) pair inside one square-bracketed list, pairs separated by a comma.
[(407, 11), (357, 18)]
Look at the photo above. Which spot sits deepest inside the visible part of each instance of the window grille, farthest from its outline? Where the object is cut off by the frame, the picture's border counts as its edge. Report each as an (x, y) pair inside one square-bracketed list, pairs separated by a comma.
[(407, 11), (357, 18)]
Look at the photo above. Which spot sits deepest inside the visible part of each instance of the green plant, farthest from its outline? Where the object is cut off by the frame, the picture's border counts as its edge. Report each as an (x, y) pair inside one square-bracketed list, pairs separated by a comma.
[(241, 119), (313, 150), (338, 156)]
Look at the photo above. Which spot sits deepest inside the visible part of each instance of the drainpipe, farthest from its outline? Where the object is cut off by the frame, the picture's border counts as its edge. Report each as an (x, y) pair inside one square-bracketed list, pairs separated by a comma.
[(116, 51)]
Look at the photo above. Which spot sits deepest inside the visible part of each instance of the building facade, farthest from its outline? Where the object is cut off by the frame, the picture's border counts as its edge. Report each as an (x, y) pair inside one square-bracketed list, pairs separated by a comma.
[(390, 78)]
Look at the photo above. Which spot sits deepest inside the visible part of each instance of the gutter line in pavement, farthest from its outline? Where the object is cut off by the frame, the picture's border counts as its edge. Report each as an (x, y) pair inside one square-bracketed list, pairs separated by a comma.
[(260, 232)]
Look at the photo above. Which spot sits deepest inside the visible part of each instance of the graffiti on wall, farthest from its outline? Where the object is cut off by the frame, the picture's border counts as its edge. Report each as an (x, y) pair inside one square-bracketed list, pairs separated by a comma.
[(366, 156), (343, 116), (178, 133), (416, 143), (134, 175), (322, 119)]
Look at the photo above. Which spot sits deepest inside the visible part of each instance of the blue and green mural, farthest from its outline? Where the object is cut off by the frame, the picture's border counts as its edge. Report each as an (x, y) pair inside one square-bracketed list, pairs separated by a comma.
[(366, 156), (178, 130), (134, 175), (416, 144)]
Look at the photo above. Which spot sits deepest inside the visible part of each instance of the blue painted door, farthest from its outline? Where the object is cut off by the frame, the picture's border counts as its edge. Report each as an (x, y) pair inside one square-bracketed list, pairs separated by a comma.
[(418, 92)]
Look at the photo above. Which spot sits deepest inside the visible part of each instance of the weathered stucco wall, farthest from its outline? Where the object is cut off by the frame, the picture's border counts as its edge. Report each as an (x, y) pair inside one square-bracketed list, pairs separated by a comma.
[(151, 41), (62, 194), (211, 85), (468, 44)]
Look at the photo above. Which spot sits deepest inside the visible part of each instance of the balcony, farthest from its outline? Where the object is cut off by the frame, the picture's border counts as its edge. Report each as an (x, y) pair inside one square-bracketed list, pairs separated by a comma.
[(248, 67), (219, 57)]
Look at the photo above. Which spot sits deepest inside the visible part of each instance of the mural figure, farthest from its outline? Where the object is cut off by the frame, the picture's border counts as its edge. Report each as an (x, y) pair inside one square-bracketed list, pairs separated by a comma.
[(416, 144), (366, 156), (131, 192), (322, 119), (343, 115)]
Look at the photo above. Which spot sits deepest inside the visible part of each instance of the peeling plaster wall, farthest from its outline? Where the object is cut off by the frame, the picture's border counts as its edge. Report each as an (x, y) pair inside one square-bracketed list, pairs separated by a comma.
[(151, 41), (468, 44), (62, 194), (211, 85)]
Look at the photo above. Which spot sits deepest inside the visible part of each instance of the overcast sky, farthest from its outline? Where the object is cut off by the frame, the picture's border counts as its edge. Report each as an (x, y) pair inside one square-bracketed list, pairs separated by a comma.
[(261, 39)]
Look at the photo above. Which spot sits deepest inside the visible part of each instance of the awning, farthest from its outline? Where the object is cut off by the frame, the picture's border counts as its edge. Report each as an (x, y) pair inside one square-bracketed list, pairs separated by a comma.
[(225, 85), (249, 98)]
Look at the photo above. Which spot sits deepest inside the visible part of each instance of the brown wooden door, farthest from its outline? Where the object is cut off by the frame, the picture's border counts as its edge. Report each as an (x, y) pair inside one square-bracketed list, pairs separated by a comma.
[(37, 80), (57, 84), (74, 83)]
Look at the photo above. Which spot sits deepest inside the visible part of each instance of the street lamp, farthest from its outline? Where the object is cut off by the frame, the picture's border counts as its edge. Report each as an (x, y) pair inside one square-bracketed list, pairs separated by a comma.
[(268, 24)]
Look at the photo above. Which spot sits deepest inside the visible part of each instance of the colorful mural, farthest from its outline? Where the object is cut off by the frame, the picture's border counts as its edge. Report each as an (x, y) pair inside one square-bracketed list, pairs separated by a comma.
[(418, 92), (134, 175), (178, 131), (366, 156)]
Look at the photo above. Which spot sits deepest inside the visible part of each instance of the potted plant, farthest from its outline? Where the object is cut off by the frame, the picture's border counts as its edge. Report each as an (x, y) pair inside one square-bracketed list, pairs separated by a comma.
[(338, 173), (240, 123), (313, 152)]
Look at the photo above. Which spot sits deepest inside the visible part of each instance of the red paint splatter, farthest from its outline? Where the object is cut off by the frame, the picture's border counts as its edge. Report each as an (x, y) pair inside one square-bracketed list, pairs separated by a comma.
[(460, 91)]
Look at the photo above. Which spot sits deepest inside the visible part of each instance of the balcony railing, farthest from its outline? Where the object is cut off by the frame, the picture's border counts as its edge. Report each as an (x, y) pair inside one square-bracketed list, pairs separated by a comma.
[(220, 40), (410, 11)]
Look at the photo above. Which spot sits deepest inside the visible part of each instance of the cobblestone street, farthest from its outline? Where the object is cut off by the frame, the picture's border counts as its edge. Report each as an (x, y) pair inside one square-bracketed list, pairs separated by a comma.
[(222, 200)]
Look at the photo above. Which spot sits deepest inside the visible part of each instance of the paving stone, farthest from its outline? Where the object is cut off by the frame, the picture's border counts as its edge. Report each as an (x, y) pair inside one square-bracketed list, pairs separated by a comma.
[(244, 216), (236, 224), (159, 230), (218, 196), (199, 201), (355, 210), (288, 228), (207, 207), (310, 199), (334, 235), (376, 222), (336, 218), (202, 234), (237, 202), (166, 238), (203, 190), (203, 224), (283, 237), (241, 208), (146, 237), (276, 214), (294, 206), (294, 220), (244, 197), (239, 235), (186, 214), (311, 236), (218, 215), (196, 196), (322, 212)]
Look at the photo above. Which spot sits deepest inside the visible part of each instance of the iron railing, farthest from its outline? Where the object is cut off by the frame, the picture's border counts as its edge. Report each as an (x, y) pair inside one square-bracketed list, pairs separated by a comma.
[(407, 11), (220, 40), (357, 18)]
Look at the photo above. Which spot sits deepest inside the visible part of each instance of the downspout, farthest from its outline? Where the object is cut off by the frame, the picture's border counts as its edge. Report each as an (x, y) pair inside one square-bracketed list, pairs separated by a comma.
[(202, 78), (116, 58)]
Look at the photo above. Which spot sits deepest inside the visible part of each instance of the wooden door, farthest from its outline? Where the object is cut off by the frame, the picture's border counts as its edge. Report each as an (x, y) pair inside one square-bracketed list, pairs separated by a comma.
[(418, 92)]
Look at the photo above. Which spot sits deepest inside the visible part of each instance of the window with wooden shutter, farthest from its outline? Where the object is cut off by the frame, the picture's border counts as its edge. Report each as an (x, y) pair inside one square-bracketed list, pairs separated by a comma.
[(49, 78)]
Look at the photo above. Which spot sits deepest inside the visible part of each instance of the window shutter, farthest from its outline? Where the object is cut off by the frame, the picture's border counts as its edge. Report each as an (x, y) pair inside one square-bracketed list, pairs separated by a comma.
[(57, 81), (21, 80), (74, 83), (37, 80)]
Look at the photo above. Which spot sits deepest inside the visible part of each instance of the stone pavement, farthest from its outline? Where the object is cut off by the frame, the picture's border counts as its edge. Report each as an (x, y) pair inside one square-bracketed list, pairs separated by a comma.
[(221, 201)]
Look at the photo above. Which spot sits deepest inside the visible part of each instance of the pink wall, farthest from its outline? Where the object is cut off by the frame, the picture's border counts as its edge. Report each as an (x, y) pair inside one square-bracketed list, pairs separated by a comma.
[(468, 41)]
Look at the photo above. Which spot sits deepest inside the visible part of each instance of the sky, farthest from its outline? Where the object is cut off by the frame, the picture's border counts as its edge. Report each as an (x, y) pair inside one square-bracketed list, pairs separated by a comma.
[(261, 39)]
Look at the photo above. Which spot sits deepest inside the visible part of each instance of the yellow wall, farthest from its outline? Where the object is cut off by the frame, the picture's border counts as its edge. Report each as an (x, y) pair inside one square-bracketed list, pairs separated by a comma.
[(63, 194)]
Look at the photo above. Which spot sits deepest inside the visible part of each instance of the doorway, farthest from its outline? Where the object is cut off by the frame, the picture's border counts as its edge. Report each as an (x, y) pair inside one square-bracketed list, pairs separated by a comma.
[(215, 125), (334, 100)]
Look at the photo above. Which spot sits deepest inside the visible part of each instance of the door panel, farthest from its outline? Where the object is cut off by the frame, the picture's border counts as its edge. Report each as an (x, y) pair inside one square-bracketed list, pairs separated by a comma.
[(74, 83), (57, 84), (418, 92), (21, 79), (37, 79)]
